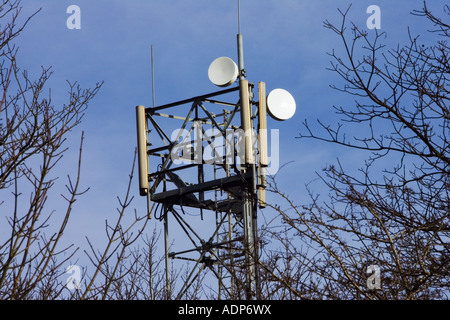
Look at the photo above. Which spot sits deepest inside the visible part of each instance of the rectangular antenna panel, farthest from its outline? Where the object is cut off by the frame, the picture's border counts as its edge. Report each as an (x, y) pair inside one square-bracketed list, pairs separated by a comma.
[(246, 121), (141, 126), (262, 132)]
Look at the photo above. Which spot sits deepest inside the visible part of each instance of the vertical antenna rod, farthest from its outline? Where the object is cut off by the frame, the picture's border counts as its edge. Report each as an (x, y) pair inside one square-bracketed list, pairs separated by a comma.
[(239, 16), (240, 45), (153, 79), (149, 208)]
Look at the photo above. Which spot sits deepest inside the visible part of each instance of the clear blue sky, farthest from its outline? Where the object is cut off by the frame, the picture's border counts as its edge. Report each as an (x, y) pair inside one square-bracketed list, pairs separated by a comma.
[(285, 45)]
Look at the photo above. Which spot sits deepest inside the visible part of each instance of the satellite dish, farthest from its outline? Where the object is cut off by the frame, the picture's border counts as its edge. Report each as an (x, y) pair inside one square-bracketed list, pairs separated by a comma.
[(223, 72), (280, 104)]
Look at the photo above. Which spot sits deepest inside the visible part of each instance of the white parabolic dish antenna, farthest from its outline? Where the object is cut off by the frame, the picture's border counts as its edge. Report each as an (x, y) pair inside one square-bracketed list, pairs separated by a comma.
[(280, 104), (223, 71)]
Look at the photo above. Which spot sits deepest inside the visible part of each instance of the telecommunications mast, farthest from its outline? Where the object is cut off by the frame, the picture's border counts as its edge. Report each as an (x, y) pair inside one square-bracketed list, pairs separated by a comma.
[(202, 165)]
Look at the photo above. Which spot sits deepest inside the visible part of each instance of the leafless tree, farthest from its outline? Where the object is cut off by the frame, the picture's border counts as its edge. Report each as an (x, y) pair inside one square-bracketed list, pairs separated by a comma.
[(394, 212), (128, 267), (33, 133)]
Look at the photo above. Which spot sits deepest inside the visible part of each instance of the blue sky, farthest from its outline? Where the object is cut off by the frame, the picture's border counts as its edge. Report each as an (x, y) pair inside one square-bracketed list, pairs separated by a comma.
[(285, 45)]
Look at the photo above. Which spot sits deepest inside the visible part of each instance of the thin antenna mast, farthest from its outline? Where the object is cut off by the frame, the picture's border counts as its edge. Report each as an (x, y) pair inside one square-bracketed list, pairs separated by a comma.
[(153, 79), (149, 207), (240, 45), (239, 16)]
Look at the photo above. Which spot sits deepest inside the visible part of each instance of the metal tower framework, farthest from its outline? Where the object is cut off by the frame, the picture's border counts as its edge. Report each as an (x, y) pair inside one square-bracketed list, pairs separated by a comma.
[(203, 157)]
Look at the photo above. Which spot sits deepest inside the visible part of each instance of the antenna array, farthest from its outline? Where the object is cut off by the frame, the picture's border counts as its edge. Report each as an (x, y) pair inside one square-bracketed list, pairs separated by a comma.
[(206, 157)]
